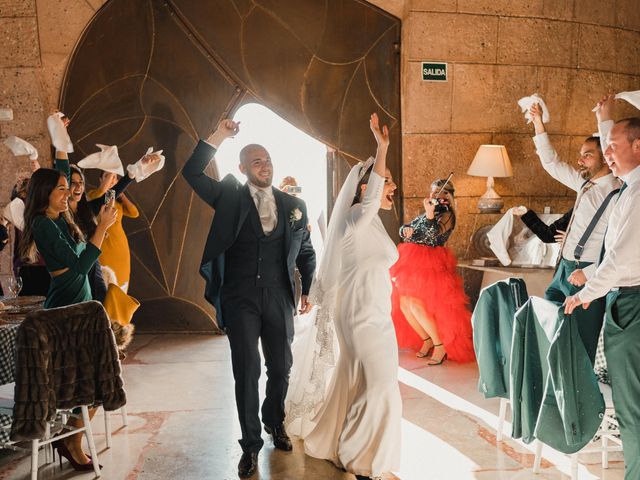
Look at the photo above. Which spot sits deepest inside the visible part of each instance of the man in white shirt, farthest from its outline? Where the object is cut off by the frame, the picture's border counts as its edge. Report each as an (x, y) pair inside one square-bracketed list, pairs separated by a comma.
[(594, 182), (618, 277)]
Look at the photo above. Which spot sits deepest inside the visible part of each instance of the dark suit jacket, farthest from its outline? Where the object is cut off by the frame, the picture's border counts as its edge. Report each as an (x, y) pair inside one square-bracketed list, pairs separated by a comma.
[(232, 202), (543, 231)]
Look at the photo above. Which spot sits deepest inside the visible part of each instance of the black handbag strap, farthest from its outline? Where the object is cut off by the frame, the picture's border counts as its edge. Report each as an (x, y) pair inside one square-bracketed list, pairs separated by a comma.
[(577, 253)]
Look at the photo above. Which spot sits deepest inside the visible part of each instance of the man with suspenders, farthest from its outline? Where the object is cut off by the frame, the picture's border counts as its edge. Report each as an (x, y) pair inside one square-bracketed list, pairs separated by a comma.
[(618, 277), (580, 251)]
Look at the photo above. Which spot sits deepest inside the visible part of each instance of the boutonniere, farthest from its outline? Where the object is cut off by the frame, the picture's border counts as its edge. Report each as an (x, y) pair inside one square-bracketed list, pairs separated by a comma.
[(295, 216)]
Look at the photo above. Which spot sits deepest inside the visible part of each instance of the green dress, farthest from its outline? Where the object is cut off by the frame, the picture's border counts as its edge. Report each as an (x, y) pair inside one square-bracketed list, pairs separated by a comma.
[(59, 250)]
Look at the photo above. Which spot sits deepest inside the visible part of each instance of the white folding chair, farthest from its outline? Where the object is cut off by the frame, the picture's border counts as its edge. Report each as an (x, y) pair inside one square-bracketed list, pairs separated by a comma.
[(6, 408), (609, 431), (107, 422)]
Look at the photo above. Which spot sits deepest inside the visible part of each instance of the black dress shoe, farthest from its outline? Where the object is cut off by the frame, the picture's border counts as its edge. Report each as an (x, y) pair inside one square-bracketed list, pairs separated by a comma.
[(280, 438), (248, 464), (362, 477)]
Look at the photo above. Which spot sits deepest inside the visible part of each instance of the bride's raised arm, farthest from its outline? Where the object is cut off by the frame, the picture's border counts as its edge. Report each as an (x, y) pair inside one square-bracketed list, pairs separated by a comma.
[(369, 193)]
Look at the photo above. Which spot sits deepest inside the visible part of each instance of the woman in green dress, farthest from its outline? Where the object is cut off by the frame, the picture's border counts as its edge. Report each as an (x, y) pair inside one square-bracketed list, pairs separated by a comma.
[(51, 231)]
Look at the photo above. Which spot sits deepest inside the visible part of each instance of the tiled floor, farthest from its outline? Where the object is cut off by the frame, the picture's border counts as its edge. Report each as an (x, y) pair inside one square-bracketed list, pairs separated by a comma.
[(182, 425)]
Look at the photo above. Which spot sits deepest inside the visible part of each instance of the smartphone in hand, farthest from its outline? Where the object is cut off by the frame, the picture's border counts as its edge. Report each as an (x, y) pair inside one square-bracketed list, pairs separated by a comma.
[(109, 196)]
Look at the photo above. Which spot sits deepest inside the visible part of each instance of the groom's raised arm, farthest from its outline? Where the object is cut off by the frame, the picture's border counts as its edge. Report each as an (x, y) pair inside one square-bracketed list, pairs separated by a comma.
[(207, 188)]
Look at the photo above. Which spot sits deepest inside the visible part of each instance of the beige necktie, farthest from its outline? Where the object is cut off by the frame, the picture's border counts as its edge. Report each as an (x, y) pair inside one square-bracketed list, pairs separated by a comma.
[(266, 213)]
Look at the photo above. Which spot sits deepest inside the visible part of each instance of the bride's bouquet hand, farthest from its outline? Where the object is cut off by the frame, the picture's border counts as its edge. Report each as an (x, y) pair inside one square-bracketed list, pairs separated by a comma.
[(381, 134)]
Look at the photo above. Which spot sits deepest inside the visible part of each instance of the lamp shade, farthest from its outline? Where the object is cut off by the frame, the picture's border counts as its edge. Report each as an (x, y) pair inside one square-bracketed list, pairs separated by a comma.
[(491, 161)]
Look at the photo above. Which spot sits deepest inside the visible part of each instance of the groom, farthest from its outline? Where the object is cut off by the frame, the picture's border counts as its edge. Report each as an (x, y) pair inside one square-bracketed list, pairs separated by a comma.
[(258, 237)]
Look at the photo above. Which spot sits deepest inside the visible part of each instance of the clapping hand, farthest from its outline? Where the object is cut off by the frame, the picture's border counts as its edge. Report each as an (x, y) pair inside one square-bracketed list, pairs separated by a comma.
[(381, 134)]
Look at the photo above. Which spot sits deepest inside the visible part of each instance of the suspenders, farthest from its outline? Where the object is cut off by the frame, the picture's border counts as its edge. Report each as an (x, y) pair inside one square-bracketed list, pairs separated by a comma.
[(577, 253)]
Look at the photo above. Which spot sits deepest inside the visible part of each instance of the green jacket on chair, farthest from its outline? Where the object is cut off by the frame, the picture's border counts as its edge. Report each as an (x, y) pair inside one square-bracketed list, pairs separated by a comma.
[(492, 322), (554, 393)]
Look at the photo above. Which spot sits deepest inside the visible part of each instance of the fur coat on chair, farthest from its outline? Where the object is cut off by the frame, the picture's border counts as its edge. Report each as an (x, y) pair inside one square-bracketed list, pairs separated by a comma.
[(65, 357)]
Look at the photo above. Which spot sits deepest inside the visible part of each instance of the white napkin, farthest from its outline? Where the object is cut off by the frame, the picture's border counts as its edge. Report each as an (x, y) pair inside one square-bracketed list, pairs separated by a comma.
[(141, 171), (526, 103), (106, 159), (58, 133), (499, 237), (522, 248), (14, 212), (20, 147), (632, 97)]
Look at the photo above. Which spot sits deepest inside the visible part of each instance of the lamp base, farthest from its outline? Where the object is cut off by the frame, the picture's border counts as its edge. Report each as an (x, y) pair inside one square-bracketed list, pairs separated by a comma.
[(490, 205), (490, 202)]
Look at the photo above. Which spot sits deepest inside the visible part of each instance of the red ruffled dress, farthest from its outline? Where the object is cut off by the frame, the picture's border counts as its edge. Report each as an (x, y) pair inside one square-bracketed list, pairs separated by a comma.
[(426, 270)]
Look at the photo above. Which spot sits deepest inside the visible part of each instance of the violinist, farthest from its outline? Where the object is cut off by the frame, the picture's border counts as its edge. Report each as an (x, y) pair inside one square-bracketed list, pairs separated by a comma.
[(430, 311)]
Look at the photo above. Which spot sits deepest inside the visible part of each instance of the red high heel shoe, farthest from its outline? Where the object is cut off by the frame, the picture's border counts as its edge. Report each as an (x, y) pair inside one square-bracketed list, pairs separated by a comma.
[(63, 451)]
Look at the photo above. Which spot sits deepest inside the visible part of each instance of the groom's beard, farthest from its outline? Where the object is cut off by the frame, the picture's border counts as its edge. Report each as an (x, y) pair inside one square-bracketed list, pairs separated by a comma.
[(260, 182)]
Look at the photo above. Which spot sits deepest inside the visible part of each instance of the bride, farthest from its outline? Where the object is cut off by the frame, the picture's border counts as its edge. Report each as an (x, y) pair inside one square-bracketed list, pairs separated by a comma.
[(344, 400)]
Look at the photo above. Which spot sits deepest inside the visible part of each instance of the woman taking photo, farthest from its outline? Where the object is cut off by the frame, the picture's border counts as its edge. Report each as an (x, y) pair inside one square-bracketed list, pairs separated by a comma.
[(51, 231), (115, 250), (430, 307)]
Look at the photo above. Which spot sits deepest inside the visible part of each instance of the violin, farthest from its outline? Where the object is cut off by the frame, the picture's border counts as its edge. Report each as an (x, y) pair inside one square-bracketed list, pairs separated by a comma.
[(442, 205)]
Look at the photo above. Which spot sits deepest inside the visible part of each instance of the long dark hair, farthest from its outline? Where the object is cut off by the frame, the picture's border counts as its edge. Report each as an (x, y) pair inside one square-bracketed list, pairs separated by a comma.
[(84, 216), (42, 183)]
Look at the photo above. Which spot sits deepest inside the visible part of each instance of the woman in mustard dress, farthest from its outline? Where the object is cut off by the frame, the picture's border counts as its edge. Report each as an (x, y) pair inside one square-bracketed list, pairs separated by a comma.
[(115, 248)]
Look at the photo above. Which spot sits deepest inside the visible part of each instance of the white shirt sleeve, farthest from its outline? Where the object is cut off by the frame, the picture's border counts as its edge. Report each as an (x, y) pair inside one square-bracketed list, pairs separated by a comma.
[(589, 271), (621, 255), (603, 130), (561, 171)]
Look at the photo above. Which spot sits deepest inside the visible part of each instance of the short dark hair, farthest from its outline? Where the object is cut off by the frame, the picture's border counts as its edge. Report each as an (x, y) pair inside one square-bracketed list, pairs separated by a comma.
[(631, 128), (595, 140)]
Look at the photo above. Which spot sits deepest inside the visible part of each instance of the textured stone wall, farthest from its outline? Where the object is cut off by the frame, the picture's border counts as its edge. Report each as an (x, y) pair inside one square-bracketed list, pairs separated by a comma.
[(37, 38), (569, 51)]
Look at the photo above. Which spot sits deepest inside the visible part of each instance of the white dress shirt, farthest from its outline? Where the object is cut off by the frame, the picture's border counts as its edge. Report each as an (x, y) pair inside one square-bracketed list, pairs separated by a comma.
[(586, 204), (620, 266), (603, 131), (271, 202)]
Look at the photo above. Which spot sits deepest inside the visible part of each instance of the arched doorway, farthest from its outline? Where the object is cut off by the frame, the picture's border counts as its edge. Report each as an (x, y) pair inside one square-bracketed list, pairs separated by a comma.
[(162, 74)]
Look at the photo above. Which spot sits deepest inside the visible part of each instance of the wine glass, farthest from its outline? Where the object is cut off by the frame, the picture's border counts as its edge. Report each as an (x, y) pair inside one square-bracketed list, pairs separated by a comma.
[(15, 285)]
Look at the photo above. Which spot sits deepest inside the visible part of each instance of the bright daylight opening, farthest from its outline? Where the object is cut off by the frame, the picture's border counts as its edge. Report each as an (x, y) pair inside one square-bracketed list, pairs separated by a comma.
[(293, 153)]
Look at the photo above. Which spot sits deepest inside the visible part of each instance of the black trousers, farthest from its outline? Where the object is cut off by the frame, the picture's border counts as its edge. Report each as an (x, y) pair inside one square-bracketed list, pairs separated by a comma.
[(262, 314)]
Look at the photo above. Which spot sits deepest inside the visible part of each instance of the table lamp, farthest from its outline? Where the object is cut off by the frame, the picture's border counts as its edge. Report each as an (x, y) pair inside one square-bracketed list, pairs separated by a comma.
[(490, 161)]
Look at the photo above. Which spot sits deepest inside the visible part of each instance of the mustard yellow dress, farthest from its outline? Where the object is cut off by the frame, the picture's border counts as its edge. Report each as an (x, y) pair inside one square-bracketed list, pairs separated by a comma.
[(115, 248)]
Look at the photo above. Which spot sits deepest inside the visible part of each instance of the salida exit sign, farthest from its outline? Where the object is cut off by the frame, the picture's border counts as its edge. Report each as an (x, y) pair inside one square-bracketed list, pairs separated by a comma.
[(434, 71)]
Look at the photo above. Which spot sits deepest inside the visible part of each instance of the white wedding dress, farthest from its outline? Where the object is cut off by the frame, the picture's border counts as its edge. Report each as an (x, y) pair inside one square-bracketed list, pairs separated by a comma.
[(351, 414)]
